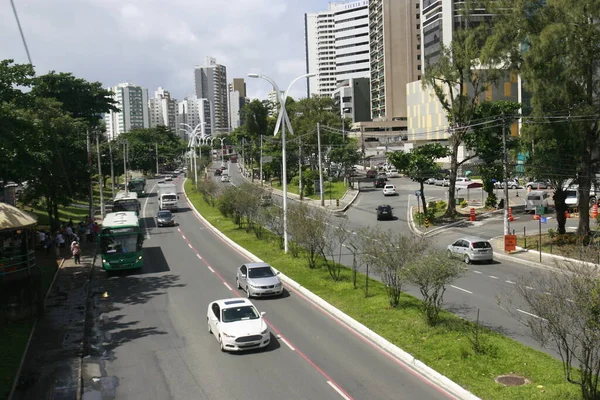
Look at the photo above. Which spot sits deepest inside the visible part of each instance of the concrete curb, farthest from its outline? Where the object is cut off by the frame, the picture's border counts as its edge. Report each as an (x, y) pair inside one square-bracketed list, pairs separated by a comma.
[(429, 373), (413, 228)]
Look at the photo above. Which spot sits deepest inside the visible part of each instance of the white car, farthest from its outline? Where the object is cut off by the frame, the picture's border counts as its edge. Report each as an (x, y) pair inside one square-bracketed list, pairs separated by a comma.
[(389, 190), (471, 249), (393, 173), (237, 325), (225, 178)]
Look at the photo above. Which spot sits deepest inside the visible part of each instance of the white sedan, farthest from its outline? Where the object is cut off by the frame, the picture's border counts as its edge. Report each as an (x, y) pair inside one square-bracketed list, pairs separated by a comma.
[(389, 190), (224, 178), (237, 325)]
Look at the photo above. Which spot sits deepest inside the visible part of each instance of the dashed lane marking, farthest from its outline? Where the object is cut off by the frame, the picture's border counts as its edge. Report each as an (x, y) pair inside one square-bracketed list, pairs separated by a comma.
[(464, 290)]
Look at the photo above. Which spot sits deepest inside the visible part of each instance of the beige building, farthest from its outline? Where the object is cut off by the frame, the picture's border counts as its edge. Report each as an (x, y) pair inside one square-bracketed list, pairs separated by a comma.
[(394, 30)]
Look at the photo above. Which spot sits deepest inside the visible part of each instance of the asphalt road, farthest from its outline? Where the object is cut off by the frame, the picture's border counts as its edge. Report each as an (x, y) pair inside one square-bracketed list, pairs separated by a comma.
[(159, 347), (483, 287)]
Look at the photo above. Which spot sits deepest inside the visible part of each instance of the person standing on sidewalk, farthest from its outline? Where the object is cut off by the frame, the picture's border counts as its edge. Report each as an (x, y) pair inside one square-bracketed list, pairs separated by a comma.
[(76, 251)]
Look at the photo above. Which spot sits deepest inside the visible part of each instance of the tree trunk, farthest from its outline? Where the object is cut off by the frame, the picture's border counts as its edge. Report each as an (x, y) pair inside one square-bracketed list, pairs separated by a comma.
[(451, 210), (56, 216), (583, 228), (423, 198), (50, 211), (559, 204)]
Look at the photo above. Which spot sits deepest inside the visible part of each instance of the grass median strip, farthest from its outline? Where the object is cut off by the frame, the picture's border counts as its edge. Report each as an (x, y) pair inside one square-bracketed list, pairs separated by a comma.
[(447, 348)]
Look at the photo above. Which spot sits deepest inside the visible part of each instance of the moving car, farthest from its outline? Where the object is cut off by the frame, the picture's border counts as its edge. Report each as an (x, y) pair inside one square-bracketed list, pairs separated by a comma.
[(218, 172), (392, 173), (380, 183), (266, 200), (384, 212), (165, 218), (471, 249), (371, 173), (237, 325), (168, 178), (535, 184), (389, 190), (512, 184), (442, 182), (430, 181), (258, 280), (224, 178)]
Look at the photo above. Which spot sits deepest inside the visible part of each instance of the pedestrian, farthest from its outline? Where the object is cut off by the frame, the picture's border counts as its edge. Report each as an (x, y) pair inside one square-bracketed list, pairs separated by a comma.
[(76, 251)]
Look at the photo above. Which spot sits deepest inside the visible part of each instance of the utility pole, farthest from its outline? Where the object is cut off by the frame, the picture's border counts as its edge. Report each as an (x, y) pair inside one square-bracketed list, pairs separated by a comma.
[(320, 165), (100, 178), (505, 168), (362, 140), (300, 165), (244, 152), (125, 163), (112, 169), (91, 189), (156, 144), (261, 160)]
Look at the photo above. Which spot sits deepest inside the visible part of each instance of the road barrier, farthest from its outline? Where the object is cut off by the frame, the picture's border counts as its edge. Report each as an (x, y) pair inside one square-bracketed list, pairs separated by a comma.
[(510, 216), (472, 215)]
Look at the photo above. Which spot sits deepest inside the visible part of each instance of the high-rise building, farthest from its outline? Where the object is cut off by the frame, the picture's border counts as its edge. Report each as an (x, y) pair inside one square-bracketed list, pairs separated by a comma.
[(211, 83), (320, 52), (337, 45), (237, 101), (132, 101), (163, 110), (189, 112), (394, 29), (273, 102), (352, 99)]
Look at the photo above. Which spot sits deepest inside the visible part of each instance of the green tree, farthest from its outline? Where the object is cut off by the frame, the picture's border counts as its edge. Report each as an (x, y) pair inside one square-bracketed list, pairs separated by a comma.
[(419, 164), (142, 145), (463, 72)]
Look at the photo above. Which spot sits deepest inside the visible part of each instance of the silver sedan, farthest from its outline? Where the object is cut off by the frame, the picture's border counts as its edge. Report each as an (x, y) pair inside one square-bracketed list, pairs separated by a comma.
[(258, 280)]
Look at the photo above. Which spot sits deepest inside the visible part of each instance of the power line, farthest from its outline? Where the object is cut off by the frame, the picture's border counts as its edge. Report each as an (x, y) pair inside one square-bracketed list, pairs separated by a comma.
[(12, 3)]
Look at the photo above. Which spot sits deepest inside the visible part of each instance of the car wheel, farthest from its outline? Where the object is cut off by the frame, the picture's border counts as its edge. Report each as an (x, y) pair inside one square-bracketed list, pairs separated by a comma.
[(449, 254), (248, 295), (467, 259), (237, 283), (513, 187), (208, 324)]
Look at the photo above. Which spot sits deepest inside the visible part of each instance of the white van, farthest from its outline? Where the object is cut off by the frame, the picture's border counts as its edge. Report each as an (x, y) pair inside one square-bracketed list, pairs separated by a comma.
[(536, 198)]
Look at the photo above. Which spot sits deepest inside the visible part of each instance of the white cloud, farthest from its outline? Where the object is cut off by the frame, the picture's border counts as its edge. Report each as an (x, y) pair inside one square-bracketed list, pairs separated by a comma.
[(158, 42)]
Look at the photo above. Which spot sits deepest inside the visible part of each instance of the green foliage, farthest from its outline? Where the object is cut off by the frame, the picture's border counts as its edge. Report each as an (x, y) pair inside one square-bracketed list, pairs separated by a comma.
[(464, 204), (142, 147)]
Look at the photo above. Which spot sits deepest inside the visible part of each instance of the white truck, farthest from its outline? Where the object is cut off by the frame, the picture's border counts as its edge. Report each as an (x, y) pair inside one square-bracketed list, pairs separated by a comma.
[(167, 196), (572, 200)]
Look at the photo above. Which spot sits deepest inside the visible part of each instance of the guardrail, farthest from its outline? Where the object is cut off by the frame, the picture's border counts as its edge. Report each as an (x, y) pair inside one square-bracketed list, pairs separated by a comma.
[(17, 263)]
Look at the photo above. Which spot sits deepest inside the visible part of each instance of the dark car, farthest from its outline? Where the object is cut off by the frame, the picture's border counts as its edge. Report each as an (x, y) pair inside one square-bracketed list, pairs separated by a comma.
[(384, 212), (218, 172), (371, 173), (380, 183), (165, 218)]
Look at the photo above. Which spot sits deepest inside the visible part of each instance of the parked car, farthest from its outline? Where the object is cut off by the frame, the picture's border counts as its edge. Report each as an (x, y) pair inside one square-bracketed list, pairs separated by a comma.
[(258, 280), (430, 181), (538, 184), (512, 184), (389, 190), (237, 325), (384, 212), (165, 218), (462, 179), (471, 249), (442, 182)]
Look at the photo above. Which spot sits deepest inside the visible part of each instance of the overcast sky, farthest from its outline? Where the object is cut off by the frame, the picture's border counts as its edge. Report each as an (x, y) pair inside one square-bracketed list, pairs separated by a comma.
[(158, 42)]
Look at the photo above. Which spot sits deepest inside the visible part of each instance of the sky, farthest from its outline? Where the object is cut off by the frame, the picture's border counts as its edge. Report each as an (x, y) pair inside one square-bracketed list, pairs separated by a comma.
[(156, 43)]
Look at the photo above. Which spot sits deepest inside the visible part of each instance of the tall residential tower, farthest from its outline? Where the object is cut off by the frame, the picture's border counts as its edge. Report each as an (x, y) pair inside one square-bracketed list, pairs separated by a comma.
[(132, 101), (211, 83)]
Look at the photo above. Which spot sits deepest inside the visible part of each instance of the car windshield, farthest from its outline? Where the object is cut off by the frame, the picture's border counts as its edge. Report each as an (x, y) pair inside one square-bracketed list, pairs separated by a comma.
[(481, 245), (164, 214), (169, 197), (118, 244), (260, 272), (244, 313)]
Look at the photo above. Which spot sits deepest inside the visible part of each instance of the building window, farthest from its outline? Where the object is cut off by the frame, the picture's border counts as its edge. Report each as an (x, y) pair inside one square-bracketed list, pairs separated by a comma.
[(418, 56), (419, 67), (418, 26), (418, 15)]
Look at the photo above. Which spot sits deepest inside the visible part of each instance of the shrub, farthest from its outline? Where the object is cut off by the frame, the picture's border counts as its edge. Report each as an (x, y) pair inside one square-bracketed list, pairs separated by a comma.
[(464, 204)]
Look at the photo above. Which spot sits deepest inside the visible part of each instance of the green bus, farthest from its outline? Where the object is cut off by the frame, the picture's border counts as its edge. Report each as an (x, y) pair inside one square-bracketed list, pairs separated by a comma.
[(126, 201), (120, 241), (137, 185)]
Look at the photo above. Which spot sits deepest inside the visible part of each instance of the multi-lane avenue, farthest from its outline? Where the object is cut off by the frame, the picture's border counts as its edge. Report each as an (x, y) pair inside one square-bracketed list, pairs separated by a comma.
[(158, 347), (484, 286)]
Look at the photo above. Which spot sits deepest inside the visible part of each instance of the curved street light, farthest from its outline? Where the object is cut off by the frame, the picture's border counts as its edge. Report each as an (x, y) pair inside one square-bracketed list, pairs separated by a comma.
[(283, 117)]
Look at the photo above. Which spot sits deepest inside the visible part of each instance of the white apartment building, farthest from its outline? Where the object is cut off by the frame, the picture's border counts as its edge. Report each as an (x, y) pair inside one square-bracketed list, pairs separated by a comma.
[(211, 83), (163, 110), (189, 112), (351, 40), (273, 102), (237, 100), (320, 52), (132, 101)]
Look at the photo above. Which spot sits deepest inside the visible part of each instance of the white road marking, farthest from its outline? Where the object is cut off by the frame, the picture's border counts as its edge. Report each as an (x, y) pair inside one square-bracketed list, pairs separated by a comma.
[(183, 236), (190, 246), (529, 288), (494, 277), (286, 342), (477, 272), (179, 230), (198, 255), (511, 282), (338, 390), (211, 270), (464, 290), (228, 287), (530, 314), (148, 236)]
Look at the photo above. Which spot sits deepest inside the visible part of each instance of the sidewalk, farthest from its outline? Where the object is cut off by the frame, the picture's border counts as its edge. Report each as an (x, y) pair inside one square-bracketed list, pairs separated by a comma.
[(51, 367)]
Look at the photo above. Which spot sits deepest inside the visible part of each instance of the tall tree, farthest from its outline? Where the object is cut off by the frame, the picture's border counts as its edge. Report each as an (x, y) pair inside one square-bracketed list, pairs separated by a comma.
[(463, 72), (143, 144), (420, 164)]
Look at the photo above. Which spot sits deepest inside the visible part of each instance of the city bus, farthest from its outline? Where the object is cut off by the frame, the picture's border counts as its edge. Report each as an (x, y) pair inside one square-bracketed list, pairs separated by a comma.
[(120, 241), (126, 201), (137, 185)]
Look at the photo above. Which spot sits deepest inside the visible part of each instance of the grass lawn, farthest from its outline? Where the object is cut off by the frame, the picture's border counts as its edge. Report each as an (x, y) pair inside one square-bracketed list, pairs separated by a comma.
[(567, 245), (444, 348), (334, 191)]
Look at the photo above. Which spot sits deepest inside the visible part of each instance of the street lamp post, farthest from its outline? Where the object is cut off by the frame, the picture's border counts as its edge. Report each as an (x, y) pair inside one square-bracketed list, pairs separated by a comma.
[(193, 133), (112, 169), (283, 120), (222, 148)]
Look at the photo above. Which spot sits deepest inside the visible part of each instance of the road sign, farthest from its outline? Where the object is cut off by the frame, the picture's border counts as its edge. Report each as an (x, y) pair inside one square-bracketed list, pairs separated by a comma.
[(543, 220), (418, 193), (539, 210)]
